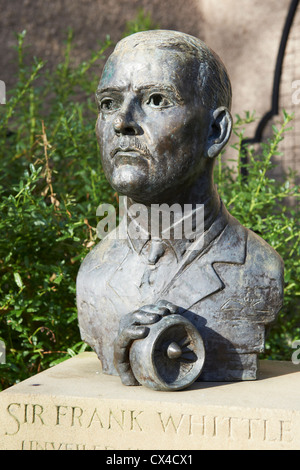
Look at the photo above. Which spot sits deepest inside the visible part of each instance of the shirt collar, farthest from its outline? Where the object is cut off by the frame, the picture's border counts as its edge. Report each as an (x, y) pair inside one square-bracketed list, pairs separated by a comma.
[(180, 247)]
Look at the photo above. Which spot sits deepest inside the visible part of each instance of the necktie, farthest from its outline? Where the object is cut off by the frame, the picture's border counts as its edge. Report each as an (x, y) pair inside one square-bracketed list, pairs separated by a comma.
[(157, 249)]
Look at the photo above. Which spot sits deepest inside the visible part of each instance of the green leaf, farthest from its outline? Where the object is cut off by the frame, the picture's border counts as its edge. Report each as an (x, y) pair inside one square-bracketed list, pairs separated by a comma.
[(18, 280)]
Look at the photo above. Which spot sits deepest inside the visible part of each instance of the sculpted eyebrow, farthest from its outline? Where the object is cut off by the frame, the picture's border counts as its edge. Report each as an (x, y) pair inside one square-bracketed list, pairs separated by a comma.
[(157, 87), (101, 91)]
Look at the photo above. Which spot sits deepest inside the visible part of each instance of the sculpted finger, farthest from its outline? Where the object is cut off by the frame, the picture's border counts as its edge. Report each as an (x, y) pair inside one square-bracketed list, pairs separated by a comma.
[(168, 305), (124, 340), (143, 317), (121, 352), (125, 373), (159, 309), (150, 308), (130, 334)]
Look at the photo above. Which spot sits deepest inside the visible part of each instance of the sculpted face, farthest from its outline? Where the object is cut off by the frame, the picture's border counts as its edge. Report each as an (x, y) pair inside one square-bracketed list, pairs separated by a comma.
[(152, 128)]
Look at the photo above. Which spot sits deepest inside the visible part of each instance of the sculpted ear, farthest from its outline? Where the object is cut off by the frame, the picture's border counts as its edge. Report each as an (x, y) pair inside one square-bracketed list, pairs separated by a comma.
[(219, 132)]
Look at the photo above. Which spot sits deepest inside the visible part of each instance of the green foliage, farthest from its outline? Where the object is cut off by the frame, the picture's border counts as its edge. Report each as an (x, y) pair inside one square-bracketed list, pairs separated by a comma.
[(271, 209), (50, 186), (142, 22)]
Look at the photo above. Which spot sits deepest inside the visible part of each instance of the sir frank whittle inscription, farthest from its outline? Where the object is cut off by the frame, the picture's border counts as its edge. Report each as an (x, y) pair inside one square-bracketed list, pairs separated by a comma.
[(103, 422), (162, 309)]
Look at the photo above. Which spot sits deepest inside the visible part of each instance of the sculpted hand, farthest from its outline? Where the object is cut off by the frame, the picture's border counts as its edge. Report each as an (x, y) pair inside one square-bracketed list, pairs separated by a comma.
[(134, 326)]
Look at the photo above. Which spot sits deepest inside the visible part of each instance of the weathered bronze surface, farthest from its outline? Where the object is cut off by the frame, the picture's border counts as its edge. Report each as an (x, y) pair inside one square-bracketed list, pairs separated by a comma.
[(164, 116), (170, 357)]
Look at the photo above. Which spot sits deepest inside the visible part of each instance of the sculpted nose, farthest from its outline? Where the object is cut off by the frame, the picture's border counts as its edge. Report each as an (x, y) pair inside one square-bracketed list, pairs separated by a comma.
[(125, 124)]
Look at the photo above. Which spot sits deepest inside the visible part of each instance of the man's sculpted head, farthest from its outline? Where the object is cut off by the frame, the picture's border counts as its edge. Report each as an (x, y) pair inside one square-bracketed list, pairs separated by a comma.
[(164, 100), (213, 80)]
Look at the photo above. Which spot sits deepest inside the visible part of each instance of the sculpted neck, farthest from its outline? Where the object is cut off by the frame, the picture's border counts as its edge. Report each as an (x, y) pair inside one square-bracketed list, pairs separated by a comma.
[(203, 191)]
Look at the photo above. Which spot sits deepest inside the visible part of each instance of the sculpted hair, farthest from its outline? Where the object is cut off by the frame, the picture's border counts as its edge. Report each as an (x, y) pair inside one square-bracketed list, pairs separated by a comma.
[(213, 80)]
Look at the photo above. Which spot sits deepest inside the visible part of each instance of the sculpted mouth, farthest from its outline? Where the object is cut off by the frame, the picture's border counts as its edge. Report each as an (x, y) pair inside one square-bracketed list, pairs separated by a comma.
[(131, 149), (128, 151)]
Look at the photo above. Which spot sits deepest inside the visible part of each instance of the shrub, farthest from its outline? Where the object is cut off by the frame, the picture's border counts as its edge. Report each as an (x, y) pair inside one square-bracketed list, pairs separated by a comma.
[(50, 185)]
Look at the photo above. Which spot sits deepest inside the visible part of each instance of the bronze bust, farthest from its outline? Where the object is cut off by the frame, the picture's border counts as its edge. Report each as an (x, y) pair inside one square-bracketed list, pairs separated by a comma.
[(167, 311)]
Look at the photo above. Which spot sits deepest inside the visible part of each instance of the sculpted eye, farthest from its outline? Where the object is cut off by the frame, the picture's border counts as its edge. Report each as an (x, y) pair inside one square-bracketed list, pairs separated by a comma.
[(156, 100), (107, 104)]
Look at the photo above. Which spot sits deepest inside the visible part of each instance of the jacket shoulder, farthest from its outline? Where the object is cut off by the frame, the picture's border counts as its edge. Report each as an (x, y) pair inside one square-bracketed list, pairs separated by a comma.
[(264, 259)]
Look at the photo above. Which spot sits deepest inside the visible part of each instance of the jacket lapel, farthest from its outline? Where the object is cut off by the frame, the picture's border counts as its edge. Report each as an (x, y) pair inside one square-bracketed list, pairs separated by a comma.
[(200, 279)]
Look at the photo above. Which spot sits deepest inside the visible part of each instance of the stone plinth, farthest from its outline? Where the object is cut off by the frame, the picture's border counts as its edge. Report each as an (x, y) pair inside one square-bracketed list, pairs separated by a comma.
[(74, 406)]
